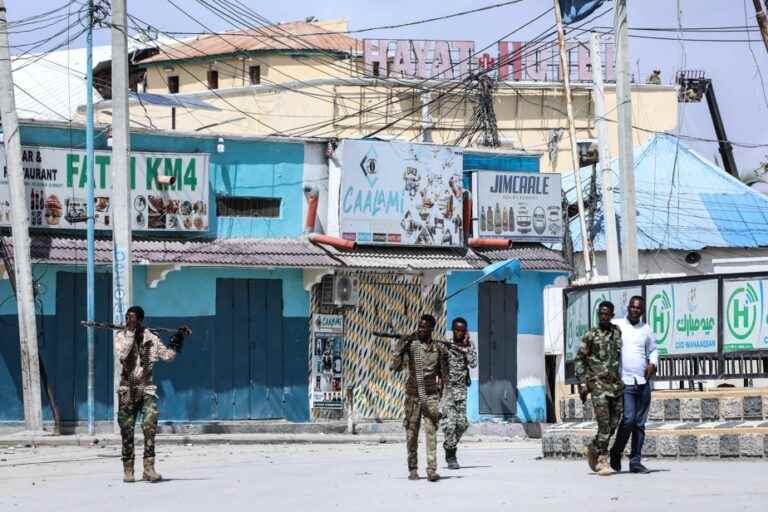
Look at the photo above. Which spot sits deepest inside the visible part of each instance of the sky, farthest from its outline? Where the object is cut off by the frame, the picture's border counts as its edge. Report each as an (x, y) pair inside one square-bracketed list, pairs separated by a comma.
[(735, 67)]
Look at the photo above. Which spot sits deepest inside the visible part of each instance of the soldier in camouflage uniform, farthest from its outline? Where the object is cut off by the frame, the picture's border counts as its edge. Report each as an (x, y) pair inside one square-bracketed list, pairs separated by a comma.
[(598, 364), (427, 364), (461, 357), (138, 350)]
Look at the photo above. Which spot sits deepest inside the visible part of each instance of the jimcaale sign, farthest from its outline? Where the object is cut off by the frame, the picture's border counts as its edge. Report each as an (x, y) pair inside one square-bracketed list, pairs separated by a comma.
[(520, 206), (456, 60)]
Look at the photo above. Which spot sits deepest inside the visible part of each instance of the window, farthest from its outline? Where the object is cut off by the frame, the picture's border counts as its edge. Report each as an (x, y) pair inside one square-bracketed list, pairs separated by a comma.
[(255, 74), (213, 79), (376, 71), (173, 84), (248, 207)]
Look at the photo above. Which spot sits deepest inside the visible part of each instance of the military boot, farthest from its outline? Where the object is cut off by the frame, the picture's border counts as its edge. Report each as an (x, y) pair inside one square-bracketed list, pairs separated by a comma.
[(413, 475), (592, 457), (450, 458), (128, 471), (432, 475), (603, 467), (150, 475)]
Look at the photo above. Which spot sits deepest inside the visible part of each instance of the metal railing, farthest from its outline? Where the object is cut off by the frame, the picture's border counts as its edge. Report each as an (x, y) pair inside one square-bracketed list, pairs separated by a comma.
[(716, 364)]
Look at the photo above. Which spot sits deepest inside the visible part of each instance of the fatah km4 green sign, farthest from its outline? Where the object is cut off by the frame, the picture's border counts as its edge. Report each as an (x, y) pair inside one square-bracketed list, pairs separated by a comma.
[(169, 191)]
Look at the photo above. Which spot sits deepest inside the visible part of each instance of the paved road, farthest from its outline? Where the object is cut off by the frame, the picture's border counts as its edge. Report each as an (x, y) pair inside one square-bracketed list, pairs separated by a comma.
[(364, 478)]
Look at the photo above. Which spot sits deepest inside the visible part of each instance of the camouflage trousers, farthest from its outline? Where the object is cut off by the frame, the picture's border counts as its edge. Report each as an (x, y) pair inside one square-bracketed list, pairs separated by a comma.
[(608, 412), (127, 413), (414, 417), (454, 422)]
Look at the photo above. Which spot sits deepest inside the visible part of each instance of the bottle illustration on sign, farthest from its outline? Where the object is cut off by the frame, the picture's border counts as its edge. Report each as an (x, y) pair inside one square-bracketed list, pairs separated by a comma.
[(489, 218), (482, 219), (539, 220), (523, 219), (497, 220), (511, 218), (505, 219)]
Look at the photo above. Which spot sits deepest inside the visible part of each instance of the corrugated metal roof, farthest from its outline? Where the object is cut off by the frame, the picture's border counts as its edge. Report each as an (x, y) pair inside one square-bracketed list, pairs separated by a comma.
[(422, 258), (234, 252), (291, 253), (297, 35), (531, 257), (684, 202)]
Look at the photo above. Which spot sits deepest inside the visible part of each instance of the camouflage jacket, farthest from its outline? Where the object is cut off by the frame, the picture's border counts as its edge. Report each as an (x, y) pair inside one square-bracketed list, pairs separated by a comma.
[(435, 365), (134, 373), (460, 360), (598, 361)]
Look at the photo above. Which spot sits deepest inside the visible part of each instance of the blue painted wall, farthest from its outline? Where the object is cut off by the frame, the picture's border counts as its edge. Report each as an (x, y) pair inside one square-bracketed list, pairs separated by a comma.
[(189, 386), (245, 168), (497, 162), (196, 386), (531, 396)]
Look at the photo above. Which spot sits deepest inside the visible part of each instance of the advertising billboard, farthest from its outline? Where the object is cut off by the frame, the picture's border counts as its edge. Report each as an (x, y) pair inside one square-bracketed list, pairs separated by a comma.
[(327, 362), (520, 206), (56, 179), (577, 322), (397, 193), (683, 316), (619, 297), (745, 315)]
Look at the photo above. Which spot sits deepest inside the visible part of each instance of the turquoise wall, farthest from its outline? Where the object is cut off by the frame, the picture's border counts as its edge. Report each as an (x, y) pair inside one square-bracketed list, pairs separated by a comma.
[(531, 398), (245, 168)]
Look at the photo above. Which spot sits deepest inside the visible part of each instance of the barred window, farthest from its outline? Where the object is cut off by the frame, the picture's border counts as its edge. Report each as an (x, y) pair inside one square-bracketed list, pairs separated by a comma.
[(248, 207)]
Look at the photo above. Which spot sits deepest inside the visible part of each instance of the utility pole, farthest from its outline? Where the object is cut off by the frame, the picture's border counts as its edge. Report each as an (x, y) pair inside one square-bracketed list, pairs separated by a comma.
[(629, 257), (122, 269), (25, 299), (761, 21), (586, 246), (609, 216), (426, 117), (91, 265)]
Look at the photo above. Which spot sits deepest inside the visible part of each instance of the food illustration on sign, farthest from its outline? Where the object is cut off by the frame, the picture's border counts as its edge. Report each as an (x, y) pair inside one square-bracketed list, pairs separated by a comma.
[(157, 217), (76, 211), (53, 210)]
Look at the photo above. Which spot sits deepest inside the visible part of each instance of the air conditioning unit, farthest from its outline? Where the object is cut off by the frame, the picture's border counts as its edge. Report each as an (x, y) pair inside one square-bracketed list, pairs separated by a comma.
[(346, 290)]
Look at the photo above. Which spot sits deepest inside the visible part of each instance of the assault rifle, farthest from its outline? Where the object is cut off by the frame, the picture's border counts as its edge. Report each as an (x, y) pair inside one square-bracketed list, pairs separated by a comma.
[(184, 330), (446, 344)]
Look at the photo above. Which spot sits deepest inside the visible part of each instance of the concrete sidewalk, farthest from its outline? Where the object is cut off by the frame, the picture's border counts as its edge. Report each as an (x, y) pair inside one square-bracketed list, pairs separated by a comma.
[(258, 432), (44, 439)]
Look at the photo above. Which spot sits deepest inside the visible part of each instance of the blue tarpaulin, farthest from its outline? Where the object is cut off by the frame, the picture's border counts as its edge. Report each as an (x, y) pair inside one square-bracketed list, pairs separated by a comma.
[(172, 100), (576, 10)]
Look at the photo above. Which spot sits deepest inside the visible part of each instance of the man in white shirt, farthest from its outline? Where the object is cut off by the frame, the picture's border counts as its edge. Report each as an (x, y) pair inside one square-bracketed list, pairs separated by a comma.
[(639, 361)]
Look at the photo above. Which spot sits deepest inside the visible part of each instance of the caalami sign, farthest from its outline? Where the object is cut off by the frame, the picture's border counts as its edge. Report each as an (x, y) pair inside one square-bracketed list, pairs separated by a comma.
[(56, 180), (401, 193)]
